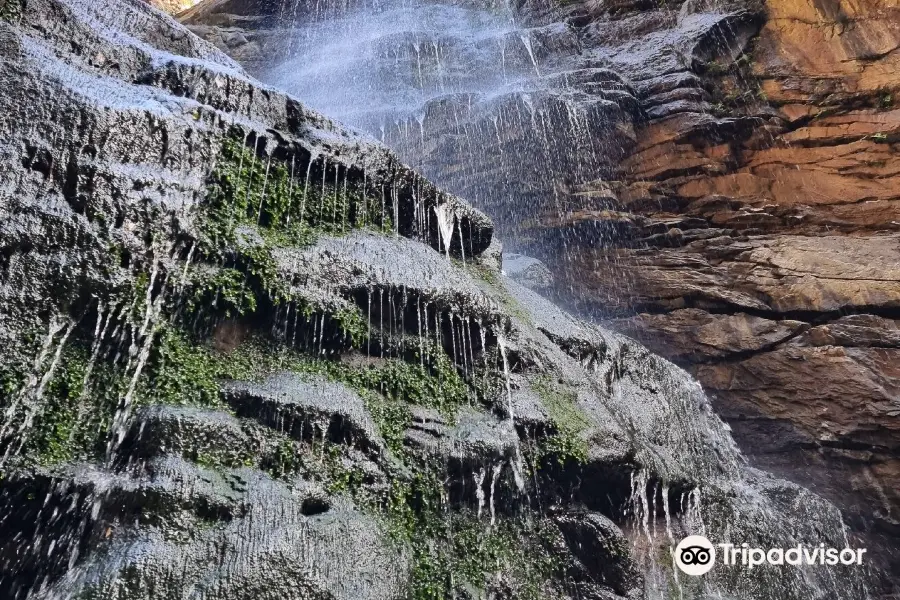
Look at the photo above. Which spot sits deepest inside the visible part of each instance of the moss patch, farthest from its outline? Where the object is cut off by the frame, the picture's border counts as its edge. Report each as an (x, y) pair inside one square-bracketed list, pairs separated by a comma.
[(77, 409), (564, 443), (246, 189)]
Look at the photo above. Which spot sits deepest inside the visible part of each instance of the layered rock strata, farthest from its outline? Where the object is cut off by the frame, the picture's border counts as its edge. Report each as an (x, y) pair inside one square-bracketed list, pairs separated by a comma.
[(738, 194), (754, 230), (250, 354)]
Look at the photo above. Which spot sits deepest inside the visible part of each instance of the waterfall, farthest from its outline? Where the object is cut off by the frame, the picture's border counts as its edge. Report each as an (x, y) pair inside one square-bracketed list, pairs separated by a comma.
[(492, 109), (251, 352)]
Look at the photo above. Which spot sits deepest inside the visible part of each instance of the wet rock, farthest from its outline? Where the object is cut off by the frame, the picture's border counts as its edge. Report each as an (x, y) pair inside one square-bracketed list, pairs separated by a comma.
[(694, 335), (474, 437), (183, 430), (528, 271), (120, 116), (602, 551), (269, 548), (306, 408), (633, 402), (388, 276)]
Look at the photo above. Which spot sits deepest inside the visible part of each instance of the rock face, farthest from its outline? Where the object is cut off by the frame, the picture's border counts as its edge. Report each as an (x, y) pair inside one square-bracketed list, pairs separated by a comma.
[(173, 7), (248, 354), (719, 180), (754, 230)]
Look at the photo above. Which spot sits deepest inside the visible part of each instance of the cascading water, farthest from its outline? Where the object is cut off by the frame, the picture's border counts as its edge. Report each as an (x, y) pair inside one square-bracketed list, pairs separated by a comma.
[(491, 109), (253, 355), (514, 118)]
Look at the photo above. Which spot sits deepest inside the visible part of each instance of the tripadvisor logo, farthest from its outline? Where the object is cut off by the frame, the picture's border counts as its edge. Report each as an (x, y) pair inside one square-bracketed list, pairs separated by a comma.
[(696, 555)]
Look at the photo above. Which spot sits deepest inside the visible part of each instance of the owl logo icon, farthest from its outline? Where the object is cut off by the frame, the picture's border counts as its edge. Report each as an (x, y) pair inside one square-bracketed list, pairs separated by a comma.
[(695, 555)]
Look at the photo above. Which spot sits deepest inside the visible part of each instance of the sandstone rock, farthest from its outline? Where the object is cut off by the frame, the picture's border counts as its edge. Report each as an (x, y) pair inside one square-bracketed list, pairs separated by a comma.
[(774, 168), (173, 7)]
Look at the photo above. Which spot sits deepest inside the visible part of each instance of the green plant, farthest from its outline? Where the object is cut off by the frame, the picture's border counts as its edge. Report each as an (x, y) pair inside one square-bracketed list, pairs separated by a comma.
[(181, 372), (392, 418), (340, 478), (225, 289), (565, 443), (352, 322), (716, 68), (76, 411), (285, 460), (247, 190)]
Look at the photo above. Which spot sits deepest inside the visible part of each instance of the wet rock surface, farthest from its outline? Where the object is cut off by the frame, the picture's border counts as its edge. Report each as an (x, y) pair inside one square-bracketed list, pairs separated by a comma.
[(252, 355), (727, 193), (757, 212), (528, 271)]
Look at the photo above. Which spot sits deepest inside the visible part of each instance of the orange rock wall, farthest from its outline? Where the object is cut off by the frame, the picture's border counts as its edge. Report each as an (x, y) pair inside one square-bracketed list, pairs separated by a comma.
[(762, 252)]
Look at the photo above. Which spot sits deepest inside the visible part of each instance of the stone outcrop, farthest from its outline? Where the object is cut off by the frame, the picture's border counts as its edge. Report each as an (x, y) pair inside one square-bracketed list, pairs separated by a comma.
[(755, 230), (250, 354), (733, 202), (173, 7)]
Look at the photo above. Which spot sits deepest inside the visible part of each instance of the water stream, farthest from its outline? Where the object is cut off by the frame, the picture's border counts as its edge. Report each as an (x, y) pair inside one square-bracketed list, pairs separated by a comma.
[(487, 107)]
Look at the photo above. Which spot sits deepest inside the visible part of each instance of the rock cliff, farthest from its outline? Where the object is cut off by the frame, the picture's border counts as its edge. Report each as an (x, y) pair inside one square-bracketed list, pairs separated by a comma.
[(719, 180), (757, 231), (250, 354)]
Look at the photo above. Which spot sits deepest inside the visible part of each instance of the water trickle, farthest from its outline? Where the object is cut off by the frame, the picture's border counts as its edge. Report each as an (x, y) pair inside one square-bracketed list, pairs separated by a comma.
[(445, 220), (479, 489), (667, 512), (495, 475), (526, 41), (501, 344), (262, 197), (139, 353), (28, 397), (639, 503)]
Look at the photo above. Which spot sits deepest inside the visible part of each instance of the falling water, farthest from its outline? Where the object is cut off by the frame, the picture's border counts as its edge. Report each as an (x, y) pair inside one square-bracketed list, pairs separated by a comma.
[(479, 102), (474, 98)]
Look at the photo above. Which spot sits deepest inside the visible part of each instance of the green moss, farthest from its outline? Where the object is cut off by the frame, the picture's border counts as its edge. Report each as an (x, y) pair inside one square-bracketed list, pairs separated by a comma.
[(565, 443), (392, 418), (498, 291), (255, 205), (12, 378), (438, 387), (11, 10), (481, 271), (228, 459), (426, 377), (182, 373), (75, 415), (353, 323), (225, 289), (455, 551), (340, 478), (285, 460), (245, 189)]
